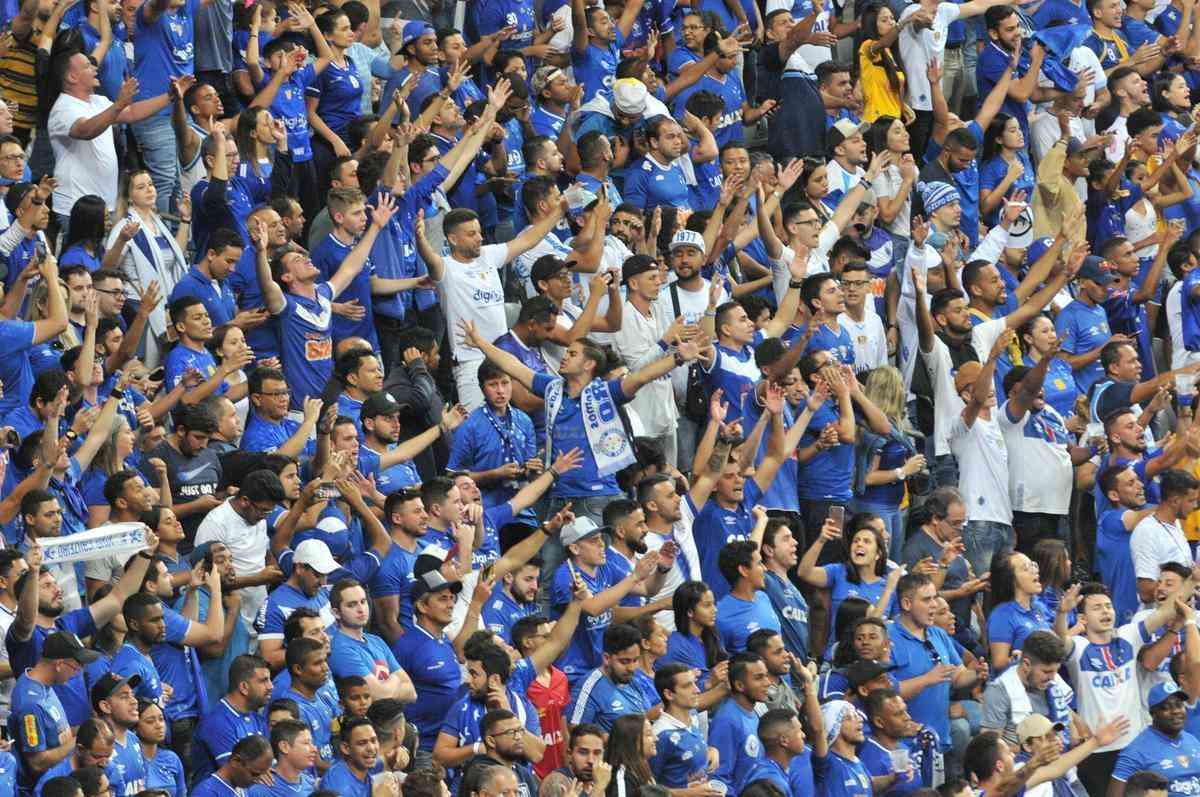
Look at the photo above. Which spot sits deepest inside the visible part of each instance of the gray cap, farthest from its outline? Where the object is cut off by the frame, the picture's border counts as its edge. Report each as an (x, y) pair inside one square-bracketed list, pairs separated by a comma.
[(580, 529)]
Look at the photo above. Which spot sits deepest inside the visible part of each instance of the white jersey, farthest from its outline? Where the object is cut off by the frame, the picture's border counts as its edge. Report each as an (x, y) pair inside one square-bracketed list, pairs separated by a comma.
[(1106, 682), (687, 560), (473, 292)]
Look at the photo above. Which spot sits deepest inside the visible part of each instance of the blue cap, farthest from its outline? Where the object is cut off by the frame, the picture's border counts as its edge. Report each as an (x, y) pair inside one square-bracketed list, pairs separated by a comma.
[(1093, 269), (1036, 249), (1160, 692), (413, 31)]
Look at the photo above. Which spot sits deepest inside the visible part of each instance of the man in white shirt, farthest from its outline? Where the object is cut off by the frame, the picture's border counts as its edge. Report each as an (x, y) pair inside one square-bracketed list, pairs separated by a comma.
[(240, 524), (860, 320), (80, 127), (1158, 538), (469, 281)]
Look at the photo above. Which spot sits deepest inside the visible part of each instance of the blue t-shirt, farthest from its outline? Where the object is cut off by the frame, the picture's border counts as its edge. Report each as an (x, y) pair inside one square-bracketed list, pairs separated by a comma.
[(319, 713), (243, 281), (915, 657), (501, 612), (649, 185), (282, 788), (687, 650), (583, 654), (219, 730), (729, 127), (841, 587), (596, 68), (734, 373), (215, 786), (715, 527), (165, 771), (328, 256), (1178, 760), (792, 612), (36, 722), (367, 656), (597, 699), (828, 476), (1114, 561), (737, 619), (487, 440), (341, 780), (281, 602), (569, 433), (16, 375), (215, 294), (267, 436), (734, 732), (993, 64), (433, 667), (305, 325), (836, 776), (181, 358), (163, 49), (339, 93), (1011, 622), (1082, 328), (395, 577)]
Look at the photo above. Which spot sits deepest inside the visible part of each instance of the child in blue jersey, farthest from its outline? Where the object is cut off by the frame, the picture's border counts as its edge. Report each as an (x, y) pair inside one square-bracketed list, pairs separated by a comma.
[(295, 756), (305, 311)]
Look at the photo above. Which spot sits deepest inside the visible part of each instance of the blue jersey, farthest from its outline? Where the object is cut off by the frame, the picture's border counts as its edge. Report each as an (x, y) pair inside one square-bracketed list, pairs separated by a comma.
[(37, 722), (339, 92), (328, 256), (687, 650), (367, 656), (737, 619), (215, 786), (433, 666), (792, 612), (1011, 622), (1176, 759), (735, 373), (715, 527), (319, 714), (305, 325), (283, 788), (649, 185), (838, 344), (217, 296), (545, 122), (877, 760), (913, 657), (488, 440), (289, 105), (391, 479), (841, 777), (1189, 301), (341, 780), (729, 127), (243, 281), (682, 751), (280, 604), (734, 732), (73, 695), (993, 64), (598, 700), (267, 436), (179, 665), (1114, 561), (163, 49), (127, 770), (587, 643), (828, 476), (596, 68), (16, 375), (841, 587), (569, 433), (219, 730), (1082, 328), (501, 611), (181, 358), (395, 577), (112, 70)]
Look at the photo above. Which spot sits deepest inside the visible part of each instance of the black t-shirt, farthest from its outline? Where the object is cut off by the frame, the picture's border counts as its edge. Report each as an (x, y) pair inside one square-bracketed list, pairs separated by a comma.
[(190, 477)]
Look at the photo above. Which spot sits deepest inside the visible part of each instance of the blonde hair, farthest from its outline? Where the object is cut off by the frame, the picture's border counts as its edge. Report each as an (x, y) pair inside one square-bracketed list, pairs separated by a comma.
[(885, 387), (38, 311), (106, 456)]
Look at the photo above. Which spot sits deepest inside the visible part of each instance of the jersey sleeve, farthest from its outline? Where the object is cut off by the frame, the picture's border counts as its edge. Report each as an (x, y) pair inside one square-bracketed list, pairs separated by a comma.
[(177, 626)]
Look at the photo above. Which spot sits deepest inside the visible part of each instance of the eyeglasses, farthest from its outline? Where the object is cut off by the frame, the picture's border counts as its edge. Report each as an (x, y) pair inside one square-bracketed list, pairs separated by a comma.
[(276, 393), (110, 291), (512, 733), (855, 283)]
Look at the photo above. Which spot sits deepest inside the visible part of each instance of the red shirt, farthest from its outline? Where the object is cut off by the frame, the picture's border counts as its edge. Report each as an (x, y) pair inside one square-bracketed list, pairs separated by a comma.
[(550, 702)]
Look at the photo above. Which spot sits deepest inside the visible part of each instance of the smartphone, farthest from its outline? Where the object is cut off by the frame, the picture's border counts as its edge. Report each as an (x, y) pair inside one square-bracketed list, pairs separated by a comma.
[(571, 569), (487, 571), (838, 515)]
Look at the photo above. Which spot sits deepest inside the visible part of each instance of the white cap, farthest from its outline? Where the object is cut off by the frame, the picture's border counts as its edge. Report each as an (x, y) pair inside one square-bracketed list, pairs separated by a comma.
[(580, 529), (629, 96), (688, 238), (316, 555)]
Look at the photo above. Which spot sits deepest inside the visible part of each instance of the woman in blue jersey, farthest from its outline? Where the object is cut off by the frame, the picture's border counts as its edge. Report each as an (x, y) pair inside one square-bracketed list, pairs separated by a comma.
[(1038, 338), (694, 641), (164, 770), (884, 462), (1006, 168), (862, 573), (84, 242), (117, 453), (255, 138), (335, 99), (1172, 98), (1017, 607)]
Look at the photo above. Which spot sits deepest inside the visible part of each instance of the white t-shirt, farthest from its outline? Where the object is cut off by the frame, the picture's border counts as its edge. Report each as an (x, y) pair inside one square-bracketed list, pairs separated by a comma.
[(1153, 543), (687, 554), (247, 545), (637, 345), (473, 292), (1042, 475), (982, 468), (818, 260), (692, 305), (869, 338), (6, 685), (886, 185), (81, 166), (920, 46), (948, 406)]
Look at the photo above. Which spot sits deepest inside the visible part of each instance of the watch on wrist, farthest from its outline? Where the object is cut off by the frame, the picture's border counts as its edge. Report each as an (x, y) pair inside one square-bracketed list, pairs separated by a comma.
[(795, 284)]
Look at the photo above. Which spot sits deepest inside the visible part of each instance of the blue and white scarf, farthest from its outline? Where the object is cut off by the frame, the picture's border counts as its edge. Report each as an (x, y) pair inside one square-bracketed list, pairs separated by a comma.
[(610, 447)]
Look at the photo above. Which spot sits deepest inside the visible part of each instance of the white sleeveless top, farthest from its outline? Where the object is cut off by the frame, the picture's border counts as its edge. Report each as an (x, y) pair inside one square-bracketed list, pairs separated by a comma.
[(1141, 221)]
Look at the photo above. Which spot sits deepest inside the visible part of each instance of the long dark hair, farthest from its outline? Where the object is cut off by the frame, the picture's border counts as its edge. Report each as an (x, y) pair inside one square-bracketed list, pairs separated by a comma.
[(87, 225), (625, 748), (888, 56), (878, 132), (686, 598), (1051, 557), (861, 521), (1004, 578), (992, 136)]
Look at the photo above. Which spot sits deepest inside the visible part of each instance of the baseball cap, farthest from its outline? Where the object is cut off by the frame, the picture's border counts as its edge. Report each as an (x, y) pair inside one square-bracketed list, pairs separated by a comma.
[(1035, 726), (433, 581), (865, 671), (316, 555), (629, 96), (843, 129), (111, 682), (1093, 269), (1036, 249), (545, 267), (579, 529), (967, 374), (638, 264), (1075, 146), (1160, 692), (65, 645), (381, 403), (414, 30), (16, 195), (688, 238)]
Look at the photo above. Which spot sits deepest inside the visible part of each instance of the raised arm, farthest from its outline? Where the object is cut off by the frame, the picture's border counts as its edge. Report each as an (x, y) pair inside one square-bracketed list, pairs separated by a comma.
[(381, 214), (273, 296), (507, 362)]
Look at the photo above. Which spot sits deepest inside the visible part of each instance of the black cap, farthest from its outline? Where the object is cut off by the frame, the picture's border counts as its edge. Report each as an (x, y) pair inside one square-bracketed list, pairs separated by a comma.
[(381, 403), (546, 267), (109, 683), (16, 195), (65, 645), (638, 264), (432, 581), (865, 671)]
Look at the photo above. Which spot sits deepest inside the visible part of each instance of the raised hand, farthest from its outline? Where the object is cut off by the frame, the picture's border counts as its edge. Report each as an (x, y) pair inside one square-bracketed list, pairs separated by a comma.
[(382, 213)]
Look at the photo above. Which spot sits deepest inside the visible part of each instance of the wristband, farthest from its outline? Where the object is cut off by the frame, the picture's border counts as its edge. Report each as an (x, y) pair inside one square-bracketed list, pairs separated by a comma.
[(475, 748), (795, 284)]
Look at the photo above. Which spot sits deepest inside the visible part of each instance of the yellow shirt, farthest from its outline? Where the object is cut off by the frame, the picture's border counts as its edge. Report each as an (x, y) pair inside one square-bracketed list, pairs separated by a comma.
[(879, 98)]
